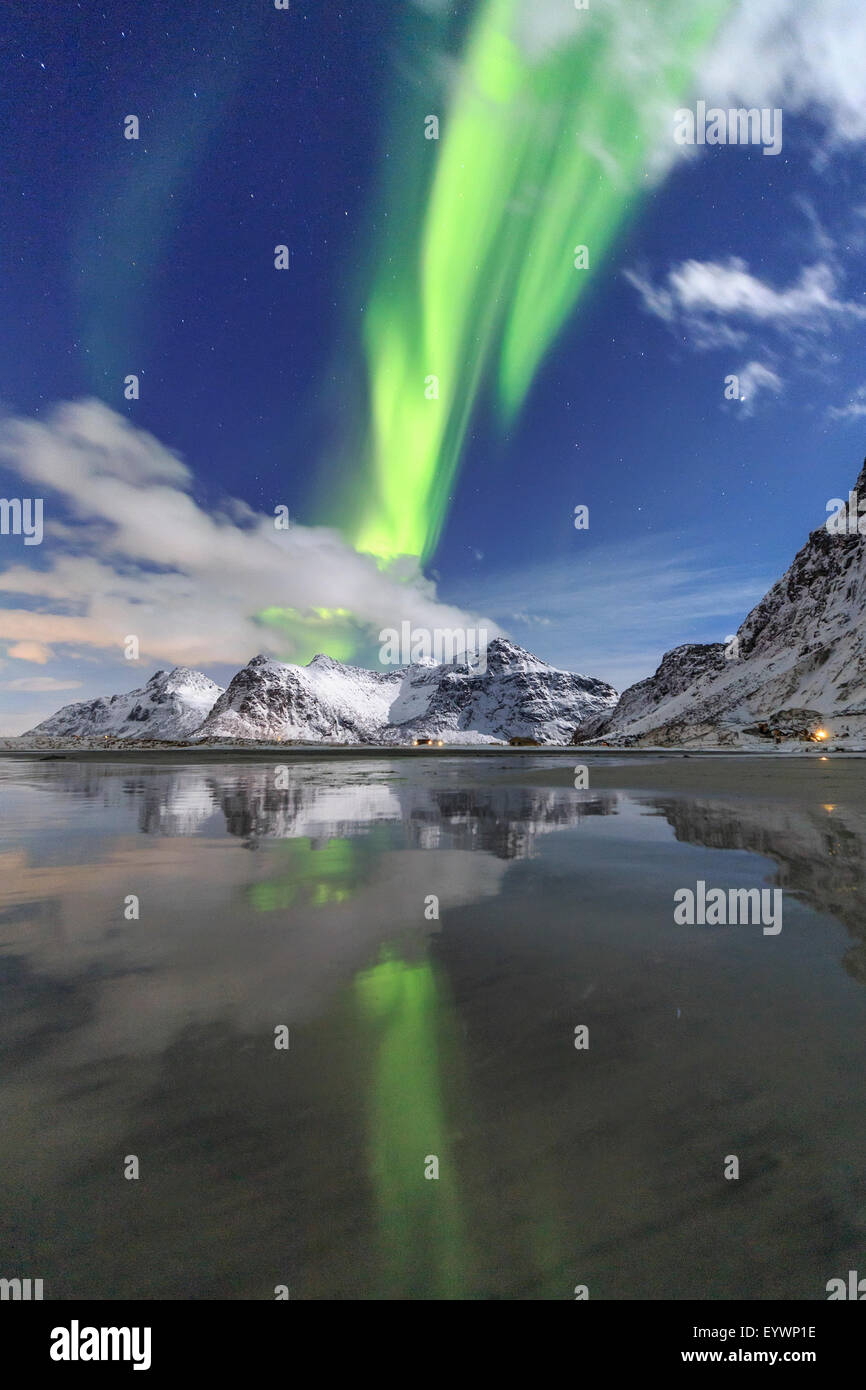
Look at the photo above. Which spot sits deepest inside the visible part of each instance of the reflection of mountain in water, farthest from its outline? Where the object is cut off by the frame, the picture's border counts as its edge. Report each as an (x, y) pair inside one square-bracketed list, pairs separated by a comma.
[(820, 852), (170, 801), (502, 820)]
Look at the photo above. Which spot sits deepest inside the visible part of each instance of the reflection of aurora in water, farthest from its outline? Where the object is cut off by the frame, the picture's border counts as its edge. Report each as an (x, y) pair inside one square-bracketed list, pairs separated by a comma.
[(312, 877), (407, 1037), (408, 1041), (409, 1045)]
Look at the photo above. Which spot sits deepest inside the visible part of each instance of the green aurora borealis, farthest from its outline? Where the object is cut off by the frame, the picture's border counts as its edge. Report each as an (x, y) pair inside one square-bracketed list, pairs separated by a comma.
[(545, 144), (539, 153)]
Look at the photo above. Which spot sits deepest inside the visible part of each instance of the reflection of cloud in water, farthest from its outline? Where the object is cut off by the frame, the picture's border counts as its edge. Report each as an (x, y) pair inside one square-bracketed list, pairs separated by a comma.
[(203, 948), (344, 867), (228, 934)]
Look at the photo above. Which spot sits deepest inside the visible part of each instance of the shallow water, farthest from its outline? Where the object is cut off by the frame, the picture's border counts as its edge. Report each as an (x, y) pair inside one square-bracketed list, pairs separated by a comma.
[(307, 907)]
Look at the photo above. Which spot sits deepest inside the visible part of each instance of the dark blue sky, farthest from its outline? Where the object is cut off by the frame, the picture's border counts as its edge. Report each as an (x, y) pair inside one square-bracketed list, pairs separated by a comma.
[(260, 127)]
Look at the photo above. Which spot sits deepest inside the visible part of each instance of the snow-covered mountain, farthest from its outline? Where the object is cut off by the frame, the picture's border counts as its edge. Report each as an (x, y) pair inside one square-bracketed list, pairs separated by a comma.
[(326, 701), (171, 706), (799, 661), (517, 696)]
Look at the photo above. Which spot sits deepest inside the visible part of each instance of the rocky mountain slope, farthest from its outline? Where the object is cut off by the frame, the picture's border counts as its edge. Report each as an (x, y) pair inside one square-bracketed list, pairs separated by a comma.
[(171, 706), (517, 696), (799, 662), (327, 701), (322, 701)]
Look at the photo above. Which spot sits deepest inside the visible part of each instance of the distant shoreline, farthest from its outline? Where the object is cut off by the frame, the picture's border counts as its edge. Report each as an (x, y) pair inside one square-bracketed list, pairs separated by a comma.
[(312, 752)]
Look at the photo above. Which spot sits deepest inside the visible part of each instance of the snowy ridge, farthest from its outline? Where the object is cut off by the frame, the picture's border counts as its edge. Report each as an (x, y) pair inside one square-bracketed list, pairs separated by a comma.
[(323, 701), (516, 696), (171, 706)]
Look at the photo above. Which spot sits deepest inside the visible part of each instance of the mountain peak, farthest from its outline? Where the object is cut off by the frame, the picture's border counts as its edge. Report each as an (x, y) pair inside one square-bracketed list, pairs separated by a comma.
[(170, 706), (323, 661), (503, 654)]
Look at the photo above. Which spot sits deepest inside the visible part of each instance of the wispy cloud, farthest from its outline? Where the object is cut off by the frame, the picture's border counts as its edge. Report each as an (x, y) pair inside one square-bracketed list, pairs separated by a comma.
[(597, 612), (855, 408), (724, 290), (36, 652), (38, 684)]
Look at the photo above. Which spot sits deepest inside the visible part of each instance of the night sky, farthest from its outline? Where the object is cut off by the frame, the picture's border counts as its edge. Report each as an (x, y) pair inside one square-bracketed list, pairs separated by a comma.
[(305, 127)]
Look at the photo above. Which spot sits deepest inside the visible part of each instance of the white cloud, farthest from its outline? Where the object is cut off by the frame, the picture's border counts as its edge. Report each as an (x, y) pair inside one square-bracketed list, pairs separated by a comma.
[(823, 243), (31, 651), (135, 554), (698, 289), (802, 55)]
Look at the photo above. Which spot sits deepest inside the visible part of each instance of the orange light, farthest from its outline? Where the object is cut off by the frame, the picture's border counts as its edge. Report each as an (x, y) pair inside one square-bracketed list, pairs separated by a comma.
[(821, 733)]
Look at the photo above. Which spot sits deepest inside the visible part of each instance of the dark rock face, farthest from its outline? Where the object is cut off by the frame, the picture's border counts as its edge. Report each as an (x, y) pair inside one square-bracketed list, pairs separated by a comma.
[(818, 591), (679, 669), (796, 719)]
